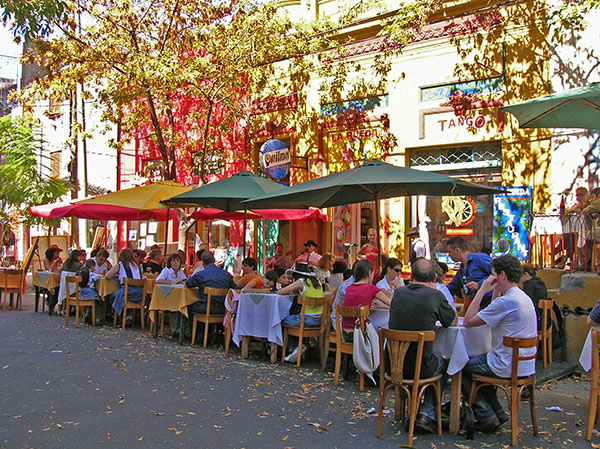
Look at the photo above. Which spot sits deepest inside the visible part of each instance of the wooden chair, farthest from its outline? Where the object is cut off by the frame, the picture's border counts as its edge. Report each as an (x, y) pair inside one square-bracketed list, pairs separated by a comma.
[(545, 335), (12, 284), (343, 347), (127, 282), (230, 319), (329, 343), (207, 318), (398, 343), (305, 332), (594, 406), (513, 386), (73, 300)]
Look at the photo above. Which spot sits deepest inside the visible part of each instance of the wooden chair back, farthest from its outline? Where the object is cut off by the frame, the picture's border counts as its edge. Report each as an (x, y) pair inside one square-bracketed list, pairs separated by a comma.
[(212, 291), (350, 312), (398, 344), (127, 282), (70, 280), (516, 344), (546, 333), (11, 282), (312, 302), (79, 302)]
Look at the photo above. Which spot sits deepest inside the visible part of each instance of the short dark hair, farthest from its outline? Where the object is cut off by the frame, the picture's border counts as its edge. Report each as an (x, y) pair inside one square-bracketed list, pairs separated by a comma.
[(339, 266), (155, 253), (391, 263), (529, 270), (251, 262), (207, 258), (457, 242), (104, 253), (423, 270), (172, 257), (510, 265), (362, 270), (272, 276), (595, 191), (139, 252), (348, 273), (199, 253)]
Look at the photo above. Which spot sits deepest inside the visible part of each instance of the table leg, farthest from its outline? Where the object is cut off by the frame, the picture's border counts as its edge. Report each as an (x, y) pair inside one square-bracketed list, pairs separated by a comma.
[(273, 352), (37, 298), (156, 324), (456, 380), (245, 341)]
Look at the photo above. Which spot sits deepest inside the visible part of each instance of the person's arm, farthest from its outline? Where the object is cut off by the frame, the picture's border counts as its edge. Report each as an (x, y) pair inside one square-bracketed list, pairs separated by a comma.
[(162, 277), (194, 280), (112, 273), (455, 285), (296, 285), (249, 287), (593, 318), (382, 299), (362, 250), (471, 318)]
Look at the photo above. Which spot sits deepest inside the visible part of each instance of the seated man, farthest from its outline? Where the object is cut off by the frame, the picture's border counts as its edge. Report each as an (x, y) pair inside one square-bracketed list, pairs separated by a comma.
[(416, 308), (249, 273), (211, 276), (510, 314), (278, 261)]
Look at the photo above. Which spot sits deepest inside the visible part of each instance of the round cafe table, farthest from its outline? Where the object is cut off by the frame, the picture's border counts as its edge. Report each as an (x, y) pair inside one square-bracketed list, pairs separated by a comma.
[(44, 279)]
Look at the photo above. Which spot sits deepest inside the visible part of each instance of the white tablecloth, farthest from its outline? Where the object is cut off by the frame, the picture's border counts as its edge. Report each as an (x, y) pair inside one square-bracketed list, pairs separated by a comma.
[(259, 315), (585, 359), (460, 343), (62, 290)]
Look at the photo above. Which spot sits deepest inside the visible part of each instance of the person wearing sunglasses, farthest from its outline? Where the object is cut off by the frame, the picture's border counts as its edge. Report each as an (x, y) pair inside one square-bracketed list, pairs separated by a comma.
[(390, 280)]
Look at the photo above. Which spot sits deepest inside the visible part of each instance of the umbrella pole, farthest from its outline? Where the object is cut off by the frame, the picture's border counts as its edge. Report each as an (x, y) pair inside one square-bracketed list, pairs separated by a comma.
[(167, 233), (377, 229), (244, 234)]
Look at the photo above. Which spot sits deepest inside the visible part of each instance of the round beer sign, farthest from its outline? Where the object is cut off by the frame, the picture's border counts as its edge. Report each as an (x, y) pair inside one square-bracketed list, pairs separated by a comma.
[(275, 159)]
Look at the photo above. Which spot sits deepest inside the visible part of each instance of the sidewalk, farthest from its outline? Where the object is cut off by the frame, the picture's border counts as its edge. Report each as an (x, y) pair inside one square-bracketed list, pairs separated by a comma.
[(103, 387)]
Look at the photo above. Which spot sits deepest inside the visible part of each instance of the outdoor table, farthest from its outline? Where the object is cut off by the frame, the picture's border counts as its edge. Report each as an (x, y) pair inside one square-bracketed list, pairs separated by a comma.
[(259, 315), (459, 344), (62, 289), (44, 279), (585, 359), (106, 287), (172, 298)]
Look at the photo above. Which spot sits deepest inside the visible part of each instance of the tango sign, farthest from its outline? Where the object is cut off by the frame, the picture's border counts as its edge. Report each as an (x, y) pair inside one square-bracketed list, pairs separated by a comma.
[(275, 159)]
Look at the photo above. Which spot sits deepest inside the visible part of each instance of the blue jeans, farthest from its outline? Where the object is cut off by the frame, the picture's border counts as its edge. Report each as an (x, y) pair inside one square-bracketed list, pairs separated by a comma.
[(486, 405), (294, 320), (429, 404)]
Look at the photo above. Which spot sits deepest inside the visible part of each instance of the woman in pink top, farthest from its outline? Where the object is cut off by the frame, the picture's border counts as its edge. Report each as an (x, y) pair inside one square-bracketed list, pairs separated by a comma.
[(363, 293)]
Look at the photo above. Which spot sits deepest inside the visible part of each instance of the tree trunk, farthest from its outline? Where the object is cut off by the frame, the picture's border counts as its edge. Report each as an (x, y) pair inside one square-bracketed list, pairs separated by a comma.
[(160, 140), (202, 172)]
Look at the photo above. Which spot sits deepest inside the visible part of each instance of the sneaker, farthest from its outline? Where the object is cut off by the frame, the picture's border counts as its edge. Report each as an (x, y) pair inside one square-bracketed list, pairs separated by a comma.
[(293, 356), (489, 426), (502, 416)]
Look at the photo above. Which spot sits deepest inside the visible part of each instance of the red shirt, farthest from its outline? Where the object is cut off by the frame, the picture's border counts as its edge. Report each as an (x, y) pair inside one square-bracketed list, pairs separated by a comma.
[(358, 295)]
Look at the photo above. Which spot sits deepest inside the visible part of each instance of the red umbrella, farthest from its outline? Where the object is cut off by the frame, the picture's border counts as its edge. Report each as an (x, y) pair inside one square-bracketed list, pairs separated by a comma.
[(74, 208), (311, 214)]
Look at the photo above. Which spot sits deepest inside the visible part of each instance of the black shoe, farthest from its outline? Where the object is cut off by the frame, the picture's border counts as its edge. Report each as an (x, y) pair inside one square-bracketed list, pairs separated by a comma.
[(489, 426), (502, 416), (175, 335), (424, 424)]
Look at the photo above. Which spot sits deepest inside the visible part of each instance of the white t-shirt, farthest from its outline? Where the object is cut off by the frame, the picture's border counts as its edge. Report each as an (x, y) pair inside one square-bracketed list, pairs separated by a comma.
[(383, 284), (511, 315), (167, 275), (135, 271), (441, 287)]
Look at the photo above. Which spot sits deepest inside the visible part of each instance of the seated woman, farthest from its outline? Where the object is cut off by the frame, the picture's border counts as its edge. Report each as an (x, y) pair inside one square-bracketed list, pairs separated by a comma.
[(363, 293), (172, 274), (440, 270), (52, 263), (125, 268), (306, 284), (390, 280), (267, 284), (75, 261), (198, 265), (337, 274), (324, 267), (249, 273)]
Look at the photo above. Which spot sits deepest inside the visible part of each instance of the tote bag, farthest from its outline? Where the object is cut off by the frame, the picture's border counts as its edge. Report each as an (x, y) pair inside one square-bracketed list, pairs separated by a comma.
[(366, 349)]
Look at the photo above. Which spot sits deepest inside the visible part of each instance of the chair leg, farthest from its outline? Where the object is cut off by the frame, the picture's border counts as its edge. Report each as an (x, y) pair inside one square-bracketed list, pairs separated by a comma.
[(382, 394), (285, 342), (514, 408), (76, 314), (550, 346), (412, 414), (194, 326), (114, 318), (532, 407), (338, 365), (299, 359), (325, 354), (545, 350), (227, 337), (361, 381), (142, 316), (124, 315), (93, 306), (438, 399), (206, 326), (66, 314), (592, 412)]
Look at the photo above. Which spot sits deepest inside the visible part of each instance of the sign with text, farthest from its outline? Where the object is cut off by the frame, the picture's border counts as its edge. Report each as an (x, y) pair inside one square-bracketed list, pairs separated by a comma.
[(275, 159), (447, 126), (512, 221)]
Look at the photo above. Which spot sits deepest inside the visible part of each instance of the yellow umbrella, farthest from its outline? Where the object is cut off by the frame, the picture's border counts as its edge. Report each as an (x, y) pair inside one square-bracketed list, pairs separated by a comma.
[(143, 198), (146, 197)]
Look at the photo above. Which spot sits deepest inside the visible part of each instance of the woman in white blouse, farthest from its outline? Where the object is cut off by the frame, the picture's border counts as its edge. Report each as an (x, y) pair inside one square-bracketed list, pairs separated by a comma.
[(390, 280), (125, 268), (172, 273)]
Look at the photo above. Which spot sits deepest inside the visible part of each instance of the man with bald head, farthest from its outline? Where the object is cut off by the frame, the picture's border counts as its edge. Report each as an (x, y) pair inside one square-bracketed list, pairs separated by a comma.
[(417, 307)]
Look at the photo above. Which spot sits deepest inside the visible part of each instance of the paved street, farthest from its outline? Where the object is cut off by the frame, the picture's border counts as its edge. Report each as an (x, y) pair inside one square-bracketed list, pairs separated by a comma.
[(102, 387)]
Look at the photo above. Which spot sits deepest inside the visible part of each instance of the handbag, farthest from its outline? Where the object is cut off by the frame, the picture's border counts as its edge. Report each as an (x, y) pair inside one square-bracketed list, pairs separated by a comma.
[(365, 348)]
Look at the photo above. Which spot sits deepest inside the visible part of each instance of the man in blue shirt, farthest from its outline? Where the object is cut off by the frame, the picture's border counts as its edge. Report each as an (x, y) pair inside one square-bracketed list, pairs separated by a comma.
[(211, 276), (474, 269)]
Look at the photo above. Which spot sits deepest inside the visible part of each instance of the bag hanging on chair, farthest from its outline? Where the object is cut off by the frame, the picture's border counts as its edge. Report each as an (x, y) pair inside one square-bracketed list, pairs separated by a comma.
[(366, 348)]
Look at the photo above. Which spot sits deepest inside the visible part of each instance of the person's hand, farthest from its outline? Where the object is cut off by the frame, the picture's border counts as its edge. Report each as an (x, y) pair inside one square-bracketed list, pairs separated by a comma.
[(473, 286), (489, 284)]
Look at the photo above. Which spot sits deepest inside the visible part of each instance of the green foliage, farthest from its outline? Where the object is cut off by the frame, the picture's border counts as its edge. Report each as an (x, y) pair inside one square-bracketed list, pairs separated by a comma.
[(569, 16), (22, 184), (31, 19)]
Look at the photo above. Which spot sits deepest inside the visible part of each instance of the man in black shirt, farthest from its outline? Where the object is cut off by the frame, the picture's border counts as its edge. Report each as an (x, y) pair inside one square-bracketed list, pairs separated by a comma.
[(417, 307)]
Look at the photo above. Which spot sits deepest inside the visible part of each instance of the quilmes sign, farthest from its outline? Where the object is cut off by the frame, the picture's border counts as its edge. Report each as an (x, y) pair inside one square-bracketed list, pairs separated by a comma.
[(275, 159)]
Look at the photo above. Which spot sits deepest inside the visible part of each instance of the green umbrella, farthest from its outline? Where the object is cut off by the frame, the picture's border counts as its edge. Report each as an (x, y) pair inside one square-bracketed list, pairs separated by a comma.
[(573, 108), (227, 194), (372, 181)]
